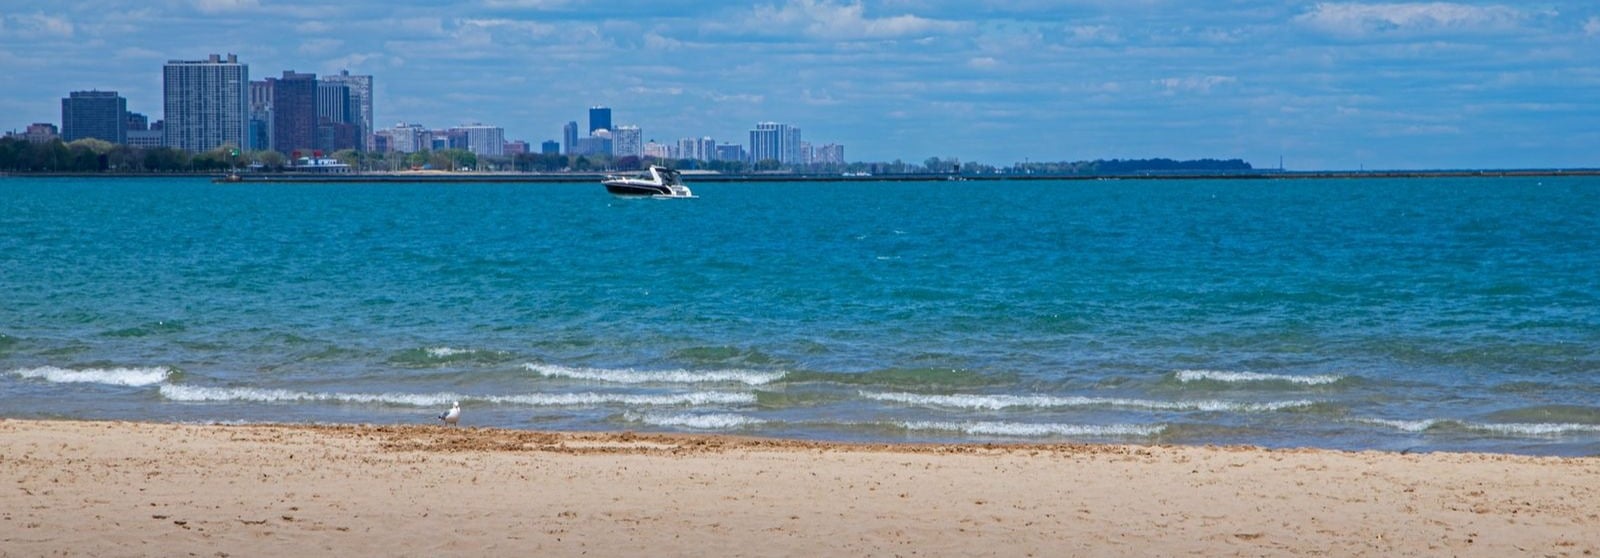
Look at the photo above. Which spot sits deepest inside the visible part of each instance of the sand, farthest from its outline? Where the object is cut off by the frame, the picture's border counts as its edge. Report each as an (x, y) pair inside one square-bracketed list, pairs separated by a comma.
[(135, 489)]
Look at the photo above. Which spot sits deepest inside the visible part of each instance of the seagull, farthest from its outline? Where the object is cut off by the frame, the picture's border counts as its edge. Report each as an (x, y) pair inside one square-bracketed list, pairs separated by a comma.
[(452, 416)]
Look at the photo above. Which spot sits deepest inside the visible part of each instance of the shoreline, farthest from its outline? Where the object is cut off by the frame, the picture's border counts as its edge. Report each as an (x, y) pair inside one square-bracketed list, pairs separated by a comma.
[(139, 488)]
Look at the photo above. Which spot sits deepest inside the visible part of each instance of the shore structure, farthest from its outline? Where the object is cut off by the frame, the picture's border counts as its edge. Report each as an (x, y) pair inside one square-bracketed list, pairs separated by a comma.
[(115, 488)]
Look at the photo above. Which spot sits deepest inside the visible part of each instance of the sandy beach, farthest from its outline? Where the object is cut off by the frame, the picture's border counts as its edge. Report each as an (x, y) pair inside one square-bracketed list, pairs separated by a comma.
[(115, 489)]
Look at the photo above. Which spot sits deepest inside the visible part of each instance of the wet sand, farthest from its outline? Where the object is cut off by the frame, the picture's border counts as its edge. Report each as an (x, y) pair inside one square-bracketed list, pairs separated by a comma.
[(117, 489)]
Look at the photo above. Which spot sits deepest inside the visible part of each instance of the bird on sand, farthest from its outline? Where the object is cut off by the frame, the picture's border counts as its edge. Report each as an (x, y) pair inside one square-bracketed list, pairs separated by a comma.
[(452, 416)]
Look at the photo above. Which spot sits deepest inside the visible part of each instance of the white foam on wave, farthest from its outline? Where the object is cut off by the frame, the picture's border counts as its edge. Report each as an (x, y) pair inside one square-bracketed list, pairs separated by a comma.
[(997, 402), (132, 377), (446, 352), (200, 393), (1228, 376), (630, 376), (1537, 430), (710, 421), (1402, 425), (1036, 430)]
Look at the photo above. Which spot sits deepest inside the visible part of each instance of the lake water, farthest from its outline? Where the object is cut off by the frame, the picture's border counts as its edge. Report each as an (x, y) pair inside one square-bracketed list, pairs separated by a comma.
[(1393, 314)]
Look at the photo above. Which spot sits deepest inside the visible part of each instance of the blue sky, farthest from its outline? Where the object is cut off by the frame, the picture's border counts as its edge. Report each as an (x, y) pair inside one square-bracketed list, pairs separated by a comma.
[(1325, 85)]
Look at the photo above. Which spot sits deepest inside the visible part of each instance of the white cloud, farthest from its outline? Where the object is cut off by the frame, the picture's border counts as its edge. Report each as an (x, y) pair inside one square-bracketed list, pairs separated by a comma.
[(825, 19), (1592, 27), (1093, 34), (1194, 84), (983, 63), (220, 6), (1365, 20), (39, 25), (317, 47)]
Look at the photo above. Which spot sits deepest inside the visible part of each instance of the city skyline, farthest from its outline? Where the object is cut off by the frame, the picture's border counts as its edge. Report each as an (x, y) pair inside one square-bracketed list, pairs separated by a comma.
[(1325, 85)]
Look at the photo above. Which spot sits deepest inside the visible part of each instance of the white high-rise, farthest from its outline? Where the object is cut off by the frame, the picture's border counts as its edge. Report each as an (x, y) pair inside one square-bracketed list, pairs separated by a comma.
[(485, 140), (207, 103), (775, 141), (627, 141)]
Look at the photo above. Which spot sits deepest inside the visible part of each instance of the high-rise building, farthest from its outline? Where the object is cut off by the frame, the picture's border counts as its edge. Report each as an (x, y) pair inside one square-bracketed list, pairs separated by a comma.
[(730, 152), (361, 100), (294, 113), (336, 110), (259, 135), (408, 138), (569, 137), (627, 141), (205, 102), (599, 119), (137, 122), (481, 139), (830, 154), (550, 147), (101, 115), (42, 132), (775, 141)]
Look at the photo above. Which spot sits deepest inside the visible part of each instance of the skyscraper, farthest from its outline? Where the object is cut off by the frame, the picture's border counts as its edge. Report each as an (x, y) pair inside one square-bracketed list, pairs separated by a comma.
[(775, 141), (205, 102), (336, 113), (259, 135), (483, 140), (569, 137), (361, 99), (627, 141), (101, 115), (599, 119), (294, 113)]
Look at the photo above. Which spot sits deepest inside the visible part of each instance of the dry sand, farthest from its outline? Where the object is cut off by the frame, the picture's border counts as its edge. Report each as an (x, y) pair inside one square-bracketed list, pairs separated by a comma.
[(119, 489)]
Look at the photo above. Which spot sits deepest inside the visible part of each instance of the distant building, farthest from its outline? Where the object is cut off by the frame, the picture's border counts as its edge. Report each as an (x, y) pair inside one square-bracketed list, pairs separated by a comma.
[(517, 147), (205, 102), (550, 147), (599, 119), (569, 137), (775, 141), (259, 136), (336, 110), (101, 115), (145, 139), (42, 132), (481, 139), (408, 138), (658, 150), (593, 145), (360, 111), (137, 122), (829, 154), (626, 141), (730, 152), (294, 113)]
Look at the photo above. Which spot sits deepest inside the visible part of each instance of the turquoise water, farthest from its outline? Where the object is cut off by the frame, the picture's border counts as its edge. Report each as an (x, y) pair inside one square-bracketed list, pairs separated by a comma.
[(1394, 314)]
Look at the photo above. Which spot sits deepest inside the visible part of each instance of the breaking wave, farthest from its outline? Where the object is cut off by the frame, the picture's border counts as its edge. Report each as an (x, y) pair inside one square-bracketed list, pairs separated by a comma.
[(1036, 430), (133, 377), (198, 393), (997, 402), (1231, 377), (629, 376)]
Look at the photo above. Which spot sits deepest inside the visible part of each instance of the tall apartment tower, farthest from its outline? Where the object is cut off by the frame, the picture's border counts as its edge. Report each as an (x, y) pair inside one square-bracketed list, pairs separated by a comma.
[(260, 127), (599, 119), (361, 99), (337, 113), (779, 142), (294, 113), (205, 102), (627, 141), (101, 115), (569, 137)]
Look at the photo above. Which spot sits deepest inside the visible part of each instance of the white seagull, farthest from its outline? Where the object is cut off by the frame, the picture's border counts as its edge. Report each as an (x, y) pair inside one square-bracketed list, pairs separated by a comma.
[(452, 416)]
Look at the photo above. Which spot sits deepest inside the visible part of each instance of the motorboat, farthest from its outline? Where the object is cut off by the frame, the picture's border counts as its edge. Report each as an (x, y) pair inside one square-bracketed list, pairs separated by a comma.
[(657, 182)]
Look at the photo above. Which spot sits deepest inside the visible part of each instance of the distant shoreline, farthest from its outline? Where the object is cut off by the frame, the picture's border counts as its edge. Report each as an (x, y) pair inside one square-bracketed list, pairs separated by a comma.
[(552, 178)]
